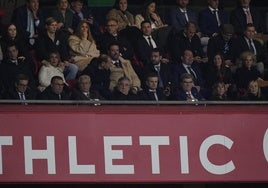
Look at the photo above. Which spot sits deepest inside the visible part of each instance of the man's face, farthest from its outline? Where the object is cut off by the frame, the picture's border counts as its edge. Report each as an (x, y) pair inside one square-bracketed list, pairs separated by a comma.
[(114, 52), (146, 29), (22, 85), (152, 82), (124, 87), (183, 3), (187, 57), (12, 52), (112, 27), (84, 85), (187, 84), (245, 3), (57, 86), (250, 32), (214, 3), (190, 31), (33, 5), (156, 58), (77, 6)]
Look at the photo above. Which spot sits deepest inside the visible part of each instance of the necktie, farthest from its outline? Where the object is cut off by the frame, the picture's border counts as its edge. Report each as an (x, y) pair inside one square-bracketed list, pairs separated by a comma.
[(22, 96), (191, 71), (249, 17), (186, 16), (251, 48), (118, 64), (160, 82), (226, 47), (155, 94), (217, 16), (189, 96), (150, 42)]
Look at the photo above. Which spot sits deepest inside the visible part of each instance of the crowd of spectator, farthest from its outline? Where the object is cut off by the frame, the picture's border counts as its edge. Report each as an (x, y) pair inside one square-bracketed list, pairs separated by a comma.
[(68, 55)]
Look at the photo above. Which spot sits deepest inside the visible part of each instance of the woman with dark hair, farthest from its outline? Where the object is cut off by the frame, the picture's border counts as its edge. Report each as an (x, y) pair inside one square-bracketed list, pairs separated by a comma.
[(121, 14), (149, 13)]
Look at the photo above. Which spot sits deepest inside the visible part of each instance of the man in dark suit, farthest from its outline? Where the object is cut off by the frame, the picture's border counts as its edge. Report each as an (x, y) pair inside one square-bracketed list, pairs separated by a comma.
[(111, 35), (152, 91), (157, 66), (21, 90), (211, 18), (84, 91), (248, 43), (29, 20), (146, 43), (245, 14), (187, 91), (55, 91), (187, 39), (181, 15)]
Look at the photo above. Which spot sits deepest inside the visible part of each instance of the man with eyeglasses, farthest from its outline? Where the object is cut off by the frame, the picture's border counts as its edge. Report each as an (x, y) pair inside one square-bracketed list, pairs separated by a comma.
[(21, 90), (187, 91), (56, 90)]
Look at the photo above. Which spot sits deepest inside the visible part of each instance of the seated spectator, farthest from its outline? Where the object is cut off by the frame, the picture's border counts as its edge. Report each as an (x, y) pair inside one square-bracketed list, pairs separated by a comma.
[(29, 20), (248, 43), (122, 90), (11, 36), (149, 13), (111, 35), (82, 46), (13, 65), (50, 68), (245, 14), (81, 12), (253, 92), (211, 18), (99, 72), (158, 65), (223, 43), (152, 91), (219, 92), (187, 91), (122, 67), (64, 16), (218, 72), (247, 72), (84, 91), (55, 91), (181, 14), (187, 39), (121, 14), (21, 89), (52, 40)]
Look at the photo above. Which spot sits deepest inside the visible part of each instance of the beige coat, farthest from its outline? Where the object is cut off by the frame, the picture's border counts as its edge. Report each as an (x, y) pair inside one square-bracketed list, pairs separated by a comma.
[(83, 51), (126, 70), (155, 25), (123, 21)]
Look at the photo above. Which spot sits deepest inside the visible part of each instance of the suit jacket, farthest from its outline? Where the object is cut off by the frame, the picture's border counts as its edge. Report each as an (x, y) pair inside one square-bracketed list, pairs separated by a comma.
[(20, 18), (67, 21), (78, 95), (48, 94), (117, 95), (199, 81), (126, 70), (208, 23), (241, 45), (149, 96), (126, 48), (216, 45), (165, 73), (13, 94), (180, 43), (181, 94), (143, 50), (178, 20), (239, 20)]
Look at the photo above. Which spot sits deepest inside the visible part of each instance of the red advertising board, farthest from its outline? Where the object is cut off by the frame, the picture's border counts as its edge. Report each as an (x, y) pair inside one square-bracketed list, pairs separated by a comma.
[(133, 144)]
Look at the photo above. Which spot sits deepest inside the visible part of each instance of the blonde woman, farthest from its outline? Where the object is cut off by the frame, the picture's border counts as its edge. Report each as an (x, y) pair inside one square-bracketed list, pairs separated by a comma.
[(82, 46)]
